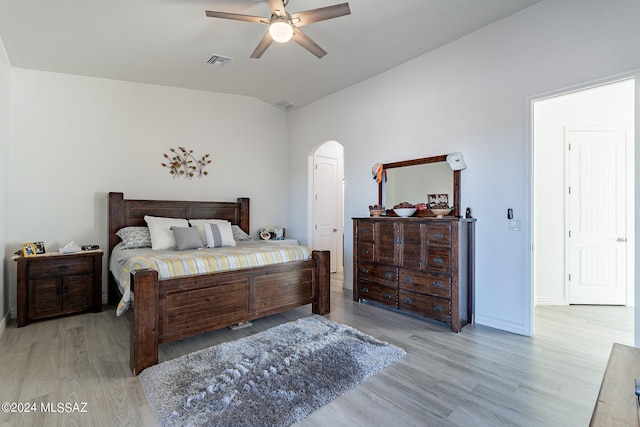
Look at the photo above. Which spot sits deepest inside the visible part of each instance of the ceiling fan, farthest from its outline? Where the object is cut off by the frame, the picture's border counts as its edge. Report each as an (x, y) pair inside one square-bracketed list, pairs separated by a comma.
[(284, 26)]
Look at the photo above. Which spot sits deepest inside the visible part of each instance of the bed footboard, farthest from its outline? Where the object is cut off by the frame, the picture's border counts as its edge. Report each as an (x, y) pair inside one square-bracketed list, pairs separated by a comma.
[(174, 309)]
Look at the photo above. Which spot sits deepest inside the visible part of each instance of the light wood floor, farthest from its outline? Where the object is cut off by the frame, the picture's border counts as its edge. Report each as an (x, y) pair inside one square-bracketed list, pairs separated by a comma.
[(480, 377)]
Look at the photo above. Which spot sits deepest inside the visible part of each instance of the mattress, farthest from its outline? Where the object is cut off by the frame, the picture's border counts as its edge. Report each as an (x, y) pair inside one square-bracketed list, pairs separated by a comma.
[(171, 264)]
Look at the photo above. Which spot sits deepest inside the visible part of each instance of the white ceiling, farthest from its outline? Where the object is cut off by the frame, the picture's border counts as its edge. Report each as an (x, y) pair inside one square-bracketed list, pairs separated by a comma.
[(168, 42)]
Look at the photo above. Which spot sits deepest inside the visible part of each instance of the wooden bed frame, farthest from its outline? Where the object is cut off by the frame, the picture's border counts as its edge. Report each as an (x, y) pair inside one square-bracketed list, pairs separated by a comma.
[(172, 309)]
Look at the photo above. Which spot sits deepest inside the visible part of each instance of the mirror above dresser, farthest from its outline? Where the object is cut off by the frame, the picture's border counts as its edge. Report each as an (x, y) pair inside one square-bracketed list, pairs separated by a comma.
[(415, 180)]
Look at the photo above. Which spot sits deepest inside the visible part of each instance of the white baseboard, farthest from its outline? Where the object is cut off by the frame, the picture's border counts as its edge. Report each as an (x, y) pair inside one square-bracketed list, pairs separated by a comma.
[(493, 322), (551, 301)]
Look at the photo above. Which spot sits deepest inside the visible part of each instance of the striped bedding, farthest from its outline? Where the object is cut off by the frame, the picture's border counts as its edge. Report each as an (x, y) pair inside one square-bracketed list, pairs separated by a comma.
[(184, 263)]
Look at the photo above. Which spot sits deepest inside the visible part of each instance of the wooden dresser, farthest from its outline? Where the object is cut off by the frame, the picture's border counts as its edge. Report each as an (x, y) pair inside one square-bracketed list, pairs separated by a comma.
[(422, 266)]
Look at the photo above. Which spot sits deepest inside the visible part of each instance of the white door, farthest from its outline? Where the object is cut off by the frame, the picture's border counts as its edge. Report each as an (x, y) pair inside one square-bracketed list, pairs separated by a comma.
[(326, 193), (597, 216)]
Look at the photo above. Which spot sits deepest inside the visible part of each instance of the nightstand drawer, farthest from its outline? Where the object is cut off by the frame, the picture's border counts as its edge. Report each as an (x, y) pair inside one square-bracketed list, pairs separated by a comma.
[(60, 267)]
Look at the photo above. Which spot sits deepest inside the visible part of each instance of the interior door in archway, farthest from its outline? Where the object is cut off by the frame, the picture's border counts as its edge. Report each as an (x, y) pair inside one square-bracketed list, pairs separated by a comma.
[(326, 212)]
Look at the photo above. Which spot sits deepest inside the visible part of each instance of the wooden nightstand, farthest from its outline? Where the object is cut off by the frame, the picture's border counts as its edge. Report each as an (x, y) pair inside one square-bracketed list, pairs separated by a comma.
[(56, 284)]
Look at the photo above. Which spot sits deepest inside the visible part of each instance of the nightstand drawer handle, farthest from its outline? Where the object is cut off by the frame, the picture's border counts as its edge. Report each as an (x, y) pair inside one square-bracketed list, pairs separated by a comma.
[(438, 308), (438, 235), (408, 301), (388, 275), (365, 270), (365, 290), (438, 284), (365, 251), (365, 231), (438, 260), (408, 279), (63, 267), (387, 296)]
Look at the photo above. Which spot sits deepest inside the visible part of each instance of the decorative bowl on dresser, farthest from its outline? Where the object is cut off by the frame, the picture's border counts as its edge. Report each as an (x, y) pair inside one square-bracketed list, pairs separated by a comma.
[(54, 284)]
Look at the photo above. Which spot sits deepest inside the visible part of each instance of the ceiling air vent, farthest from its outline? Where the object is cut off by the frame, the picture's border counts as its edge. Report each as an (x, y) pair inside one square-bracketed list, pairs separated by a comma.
[(218, 60), (285, 105)]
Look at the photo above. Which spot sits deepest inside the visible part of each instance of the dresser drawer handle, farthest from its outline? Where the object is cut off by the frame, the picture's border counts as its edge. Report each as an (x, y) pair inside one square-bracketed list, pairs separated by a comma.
[(63, 267), (365, 231), (65, 289), (438, 260), (388, 275), (365, 270), (438, 284), (408, 279), (438, 235), (438, 308), (387, 296), (365, 290), (365, 251), (408, 301)]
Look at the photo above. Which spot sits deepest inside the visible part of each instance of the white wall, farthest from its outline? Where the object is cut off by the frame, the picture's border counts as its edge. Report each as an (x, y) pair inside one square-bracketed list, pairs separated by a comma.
[(5, 102), (471, 96), (608, 105), (74, 139)]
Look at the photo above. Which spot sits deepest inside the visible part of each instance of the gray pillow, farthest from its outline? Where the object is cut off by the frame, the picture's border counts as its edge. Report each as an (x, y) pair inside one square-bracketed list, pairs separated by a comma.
[(239, 234), (187, 238), (135, 237)]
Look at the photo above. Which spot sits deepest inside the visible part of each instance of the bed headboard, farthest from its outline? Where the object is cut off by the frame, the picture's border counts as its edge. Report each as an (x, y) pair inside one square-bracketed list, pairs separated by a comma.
[(129, 212)]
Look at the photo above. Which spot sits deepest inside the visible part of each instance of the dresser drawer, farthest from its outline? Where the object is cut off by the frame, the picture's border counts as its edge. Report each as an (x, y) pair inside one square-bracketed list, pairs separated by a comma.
[(439, 260), (432, 307), (365, 231), (425, 283), (60, 267), (439, 234), (365, 252), (378, 273), (378, 293)]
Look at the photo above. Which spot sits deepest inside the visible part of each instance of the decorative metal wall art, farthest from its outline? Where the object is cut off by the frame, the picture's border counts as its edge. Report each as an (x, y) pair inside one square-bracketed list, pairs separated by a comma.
[(182, 162)]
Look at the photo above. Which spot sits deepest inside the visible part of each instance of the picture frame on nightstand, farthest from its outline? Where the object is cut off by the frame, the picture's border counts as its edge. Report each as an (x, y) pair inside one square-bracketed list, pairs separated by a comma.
[(29, 249), (39, 248)]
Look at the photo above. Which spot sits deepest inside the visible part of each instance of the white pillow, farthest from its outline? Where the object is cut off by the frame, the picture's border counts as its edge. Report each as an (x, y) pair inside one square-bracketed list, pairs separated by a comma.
[(218, 235), (199, 224), (160, 228)]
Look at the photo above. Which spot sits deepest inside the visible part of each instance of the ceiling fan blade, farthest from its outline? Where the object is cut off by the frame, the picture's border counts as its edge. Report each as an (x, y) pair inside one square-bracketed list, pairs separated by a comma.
[(262, 46), (321, 14), (305, 41), (277, 7), (237, 17)]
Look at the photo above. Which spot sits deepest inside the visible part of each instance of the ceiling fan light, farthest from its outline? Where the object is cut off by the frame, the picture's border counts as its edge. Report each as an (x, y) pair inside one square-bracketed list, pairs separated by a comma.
[(280, 31)]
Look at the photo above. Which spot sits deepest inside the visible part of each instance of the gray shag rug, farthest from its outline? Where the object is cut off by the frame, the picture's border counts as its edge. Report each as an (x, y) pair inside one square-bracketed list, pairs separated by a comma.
[(273, 378)]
